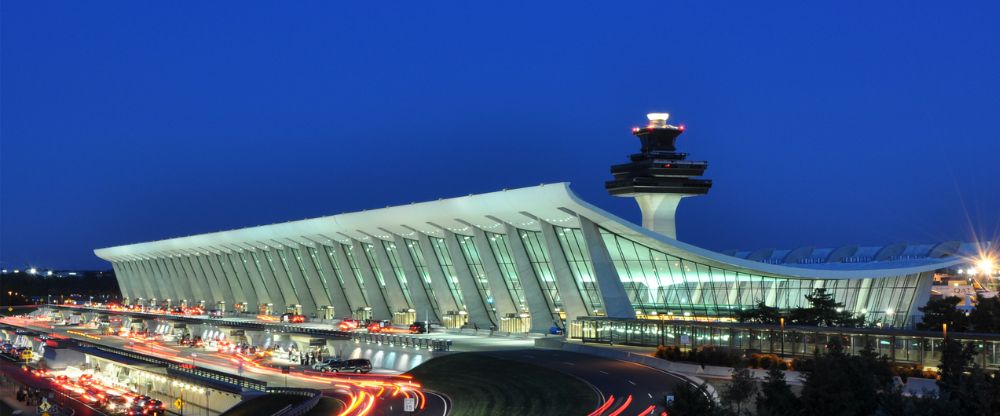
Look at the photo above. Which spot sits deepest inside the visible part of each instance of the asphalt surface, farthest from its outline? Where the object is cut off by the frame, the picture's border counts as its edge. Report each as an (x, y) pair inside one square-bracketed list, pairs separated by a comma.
[(625, 388), (632, 388), (393, 405)]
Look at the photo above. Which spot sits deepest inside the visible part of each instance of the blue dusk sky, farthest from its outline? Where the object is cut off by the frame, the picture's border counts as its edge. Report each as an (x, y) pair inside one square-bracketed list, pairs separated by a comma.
[(825, 123)]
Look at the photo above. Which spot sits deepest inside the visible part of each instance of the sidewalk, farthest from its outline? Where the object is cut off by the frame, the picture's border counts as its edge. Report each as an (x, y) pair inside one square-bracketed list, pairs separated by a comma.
[(8, 395)]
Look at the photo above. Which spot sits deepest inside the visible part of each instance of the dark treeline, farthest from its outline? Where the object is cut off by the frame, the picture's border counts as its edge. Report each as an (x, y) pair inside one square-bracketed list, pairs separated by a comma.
[(20, 288), (839, 384)]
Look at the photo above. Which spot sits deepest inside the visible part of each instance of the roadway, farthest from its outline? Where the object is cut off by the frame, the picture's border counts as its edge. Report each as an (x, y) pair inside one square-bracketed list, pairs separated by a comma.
[(625, 388), (377, 393), (622, 386)]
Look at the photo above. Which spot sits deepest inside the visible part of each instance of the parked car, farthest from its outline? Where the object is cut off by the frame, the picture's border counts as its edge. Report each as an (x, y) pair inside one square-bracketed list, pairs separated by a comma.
[(358, 365), (329, 362)]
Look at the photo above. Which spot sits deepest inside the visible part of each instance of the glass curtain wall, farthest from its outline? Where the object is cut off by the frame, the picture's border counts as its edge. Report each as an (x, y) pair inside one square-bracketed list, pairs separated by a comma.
[(501, 251), (356, 270), (440, 248), (658, 283), (573, 246), (377, 271), (425, 277), (540, 264), (313, 256), (288, 272), (471, 255), (330, 254), (397, 269)]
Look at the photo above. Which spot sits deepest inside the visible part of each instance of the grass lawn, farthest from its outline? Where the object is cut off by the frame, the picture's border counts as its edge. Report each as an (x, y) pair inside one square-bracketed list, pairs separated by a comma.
[(482, 385)]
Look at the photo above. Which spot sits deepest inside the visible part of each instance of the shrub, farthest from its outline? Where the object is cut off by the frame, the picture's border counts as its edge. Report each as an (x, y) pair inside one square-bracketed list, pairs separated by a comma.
[(706, 355)]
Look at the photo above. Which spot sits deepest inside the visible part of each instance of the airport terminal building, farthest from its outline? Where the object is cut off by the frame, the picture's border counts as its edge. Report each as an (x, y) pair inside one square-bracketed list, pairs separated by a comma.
[(523, 260)]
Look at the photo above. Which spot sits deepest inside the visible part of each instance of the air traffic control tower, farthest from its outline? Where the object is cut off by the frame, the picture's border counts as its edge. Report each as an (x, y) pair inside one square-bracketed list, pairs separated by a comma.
[(659, 176)]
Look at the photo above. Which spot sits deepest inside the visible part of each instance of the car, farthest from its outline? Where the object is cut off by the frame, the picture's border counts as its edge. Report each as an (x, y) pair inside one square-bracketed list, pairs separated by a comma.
[(358, 365), (7, 348), (379, 326), (327, 363), (293, 318), (117, 404), (215, 313), (420, 327), (349, 324)]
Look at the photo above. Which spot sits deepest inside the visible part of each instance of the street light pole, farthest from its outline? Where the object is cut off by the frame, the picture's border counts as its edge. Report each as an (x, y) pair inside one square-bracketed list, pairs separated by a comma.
[(782, 337)]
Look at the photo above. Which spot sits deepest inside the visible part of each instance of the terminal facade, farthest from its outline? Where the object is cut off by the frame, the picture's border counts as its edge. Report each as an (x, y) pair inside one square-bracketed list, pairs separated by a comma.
[(522, 260)]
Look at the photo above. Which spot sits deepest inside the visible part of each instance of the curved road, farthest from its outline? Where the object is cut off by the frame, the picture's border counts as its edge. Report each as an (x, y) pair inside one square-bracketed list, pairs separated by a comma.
[(627, 388)]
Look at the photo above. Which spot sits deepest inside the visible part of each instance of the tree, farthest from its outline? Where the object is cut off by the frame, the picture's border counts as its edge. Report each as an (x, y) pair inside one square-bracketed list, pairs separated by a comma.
[(760, 313), (823, 310), (942, 311), (986, 316), (776, 397), (955, 360), (692, 400), (841, 384), (742, 388)]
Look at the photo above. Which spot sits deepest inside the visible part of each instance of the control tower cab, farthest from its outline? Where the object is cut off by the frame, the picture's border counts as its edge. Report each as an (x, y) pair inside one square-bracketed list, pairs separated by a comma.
[(658, 176)]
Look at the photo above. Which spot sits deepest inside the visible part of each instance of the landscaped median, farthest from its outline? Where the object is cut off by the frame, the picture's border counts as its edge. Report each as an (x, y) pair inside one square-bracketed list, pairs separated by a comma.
[(478, 384)]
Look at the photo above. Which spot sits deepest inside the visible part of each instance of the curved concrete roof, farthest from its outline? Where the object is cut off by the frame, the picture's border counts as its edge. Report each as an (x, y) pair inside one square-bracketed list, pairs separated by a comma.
[(553, 203)]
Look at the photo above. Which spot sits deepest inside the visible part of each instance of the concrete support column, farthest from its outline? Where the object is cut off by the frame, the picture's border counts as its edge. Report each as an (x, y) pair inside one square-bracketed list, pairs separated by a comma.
[(320, 284), (230, 290), (122, 278), (352, 290), (234, 265), (346, 296), (418, 293), (272, 263), (303, 291), (159, 282), (202, 268), (480, 313), (146, 288), (393, 288), (380, 306), (569, 292), (177, 284), (439, 282), (267, 290), (541, 312), (613, 295), (227, 279), (134, 283), (503, 301), (194, 291)]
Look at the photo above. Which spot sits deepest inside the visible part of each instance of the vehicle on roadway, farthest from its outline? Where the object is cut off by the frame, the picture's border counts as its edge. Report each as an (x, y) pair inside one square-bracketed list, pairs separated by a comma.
[(216, 313), (348, 324), (420, 327), (293, 318), (379, 326), (358, 365)]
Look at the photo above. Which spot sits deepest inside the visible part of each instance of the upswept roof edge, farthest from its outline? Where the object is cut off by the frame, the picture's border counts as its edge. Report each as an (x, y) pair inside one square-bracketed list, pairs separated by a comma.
[(549, 202)]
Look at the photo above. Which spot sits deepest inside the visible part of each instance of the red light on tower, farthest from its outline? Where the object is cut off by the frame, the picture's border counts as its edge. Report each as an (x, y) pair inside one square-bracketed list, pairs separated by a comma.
[(635, 129), (681, 127)]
